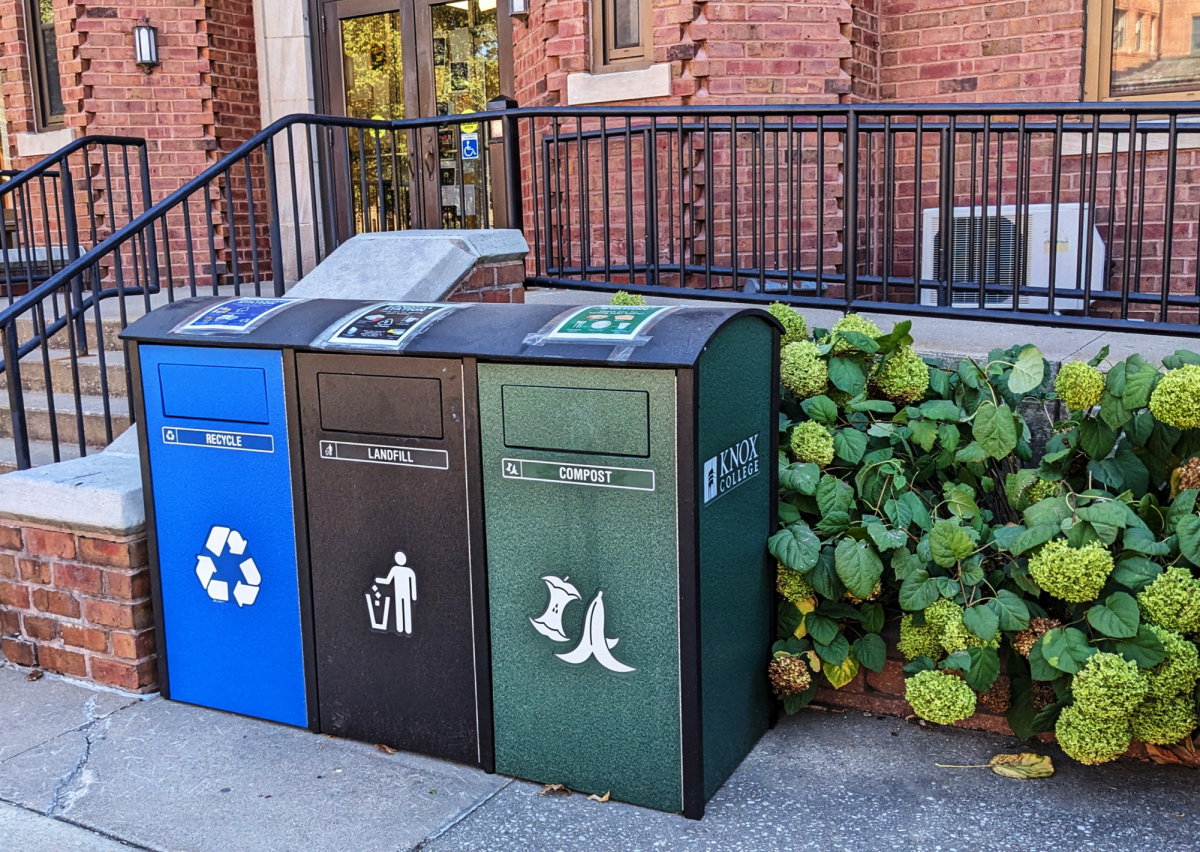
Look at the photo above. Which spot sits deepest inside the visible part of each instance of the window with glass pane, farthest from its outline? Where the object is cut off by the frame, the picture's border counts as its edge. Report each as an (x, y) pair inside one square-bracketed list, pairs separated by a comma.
[(622, 30), (1155, 47), (43, 58)]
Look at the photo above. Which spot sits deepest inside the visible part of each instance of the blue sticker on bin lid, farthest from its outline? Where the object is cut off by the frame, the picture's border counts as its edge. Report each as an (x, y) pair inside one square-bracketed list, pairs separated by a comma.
[(386, 325), (236, 315)]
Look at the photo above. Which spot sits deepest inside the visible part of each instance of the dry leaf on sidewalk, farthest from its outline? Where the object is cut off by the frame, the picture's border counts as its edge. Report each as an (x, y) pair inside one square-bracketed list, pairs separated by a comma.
[(36, 674), (1020, 766), (386, 749), (595, 798), (555, 788)]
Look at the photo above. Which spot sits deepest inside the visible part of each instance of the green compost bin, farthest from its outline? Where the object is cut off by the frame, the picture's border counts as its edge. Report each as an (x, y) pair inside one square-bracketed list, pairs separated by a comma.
[(629, 489)]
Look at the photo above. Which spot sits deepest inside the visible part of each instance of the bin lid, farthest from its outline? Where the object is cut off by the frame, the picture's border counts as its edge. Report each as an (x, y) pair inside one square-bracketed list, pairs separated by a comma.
[(653, 336)]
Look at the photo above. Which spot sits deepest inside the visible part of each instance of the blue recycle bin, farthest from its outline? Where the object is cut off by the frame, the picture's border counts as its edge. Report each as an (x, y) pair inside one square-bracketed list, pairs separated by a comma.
[(217, 463)]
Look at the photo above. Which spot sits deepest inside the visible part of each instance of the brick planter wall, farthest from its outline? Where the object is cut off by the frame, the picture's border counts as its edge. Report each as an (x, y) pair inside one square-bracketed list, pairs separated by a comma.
[(77, 603), (500, 282)]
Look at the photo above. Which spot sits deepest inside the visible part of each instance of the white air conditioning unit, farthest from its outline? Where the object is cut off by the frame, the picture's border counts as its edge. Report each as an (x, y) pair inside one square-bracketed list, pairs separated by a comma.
[(1002, 264)]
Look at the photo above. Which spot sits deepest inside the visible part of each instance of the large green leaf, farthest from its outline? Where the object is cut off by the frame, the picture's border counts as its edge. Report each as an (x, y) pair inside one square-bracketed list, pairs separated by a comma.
[(949, 435), (920, 513), (899, 513), (1052, 510), (918, 591), (1108, 512), (1032, 537), (897, 337), (1144, 649), (833, 495), (1117, 617), (860, 341), (1010, 610), (1096, 439), (948, 543), (1039, 669), (1028, 371), (824, 577), (994, 429), (871, 651), (985, 668), (1136, 572), (1133, 470), (1139, 383), (884, 538), (981, 620), (1066, 649), (905, 563), (941, 409), (1188, 530), (796, 546), (834, 652), (1140, 540), (961, 501), (787, 618), (924, 433), (821, 628), (858, 566), (1113, 410), (872, 616), (801, 477), (847, 376), (849, 444), (821, 408)]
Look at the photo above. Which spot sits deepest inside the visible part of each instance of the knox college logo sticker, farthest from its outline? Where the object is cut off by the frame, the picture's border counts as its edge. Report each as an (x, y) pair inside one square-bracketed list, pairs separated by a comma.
[(730, 468)]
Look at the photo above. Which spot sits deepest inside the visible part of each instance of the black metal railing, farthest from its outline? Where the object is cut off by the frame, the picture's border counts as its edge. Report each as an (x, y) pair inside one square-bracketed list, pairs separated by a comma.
[(1068, 215)]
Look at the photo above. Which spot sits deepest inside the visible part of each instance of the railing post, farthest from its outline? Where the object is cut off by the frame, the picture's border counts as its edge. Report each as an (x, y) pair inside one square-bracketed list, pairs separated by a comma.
[(152, 270), (946, 221), (850, 261), (16, 397), (514, 216), (75, 303), (273, 218)]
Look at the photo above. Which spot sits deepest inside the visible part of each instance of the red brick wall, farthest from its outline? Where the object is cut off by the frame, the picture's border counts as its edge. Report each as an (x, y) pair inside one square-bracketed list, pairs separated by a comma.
[(983, 52), (77, 604)]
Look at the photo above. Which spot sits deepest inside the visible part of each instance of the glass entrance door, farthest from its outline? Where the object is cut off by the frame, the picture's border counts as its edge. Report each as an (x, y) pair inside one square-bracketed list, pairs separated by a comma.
[(393, 59), (465, 61)]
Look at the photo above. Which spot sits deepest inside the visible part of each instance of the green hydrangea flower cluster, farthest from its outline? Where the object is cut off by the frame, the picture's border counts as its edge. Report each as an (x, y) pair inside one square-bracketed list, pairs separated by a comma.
[(1176, 399), (795, 327), (802, 369), (1090, 740), (1172, 601), (812, 442), (942, 617), (903, 377), (1079, 385), (1040, 489), (1074, 574), (939, 697), (791, 584), (623, 299), (1108, 687), (1178, 673), (853, 322), (1165, 721)]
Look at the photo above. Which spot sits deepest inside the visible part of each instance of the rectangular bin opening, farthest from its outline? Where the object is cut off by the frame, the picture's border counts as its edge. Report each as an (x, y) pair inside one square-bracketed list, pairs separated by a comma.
[(202, 392), (380, 405), (577, 420)]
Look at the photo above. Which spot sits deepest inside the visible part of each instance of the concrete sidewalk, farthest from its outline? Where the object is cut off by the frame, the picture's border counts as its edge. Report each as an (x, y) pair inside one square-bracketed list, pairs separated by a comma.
[(102, 771)]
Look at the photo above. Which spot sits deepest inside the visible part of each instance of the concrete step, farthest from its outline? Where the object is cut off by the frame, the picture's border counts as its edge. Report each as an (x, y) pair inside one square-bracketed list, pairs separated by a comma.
[(40, 453), (37, 411), (33, 373)]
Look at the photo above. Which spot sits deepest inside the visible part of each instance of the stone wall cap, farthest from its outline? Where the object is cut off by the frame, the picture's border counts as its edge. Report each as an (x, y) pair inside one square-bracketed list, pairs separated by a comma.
[(421, 265), (101, 492)]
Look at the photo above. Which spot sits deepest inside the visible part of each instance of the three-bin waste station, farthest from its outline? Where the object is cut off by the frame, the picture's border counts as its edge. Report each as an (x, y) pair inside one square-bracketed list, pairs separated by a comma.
[(527, 538)]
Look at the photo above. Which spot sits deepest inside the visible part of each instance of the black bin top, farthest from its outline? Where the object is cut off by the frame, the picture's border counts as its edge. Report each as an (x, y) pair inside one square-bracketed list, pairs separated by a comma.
[(655, 336)]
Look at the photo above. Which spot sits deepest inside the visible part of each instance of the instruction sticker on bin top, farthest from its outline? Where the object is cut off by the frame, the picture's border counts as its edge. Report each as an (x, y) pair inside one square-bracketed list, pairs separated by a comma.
[(386, 324), (606, 322), (237, 315)]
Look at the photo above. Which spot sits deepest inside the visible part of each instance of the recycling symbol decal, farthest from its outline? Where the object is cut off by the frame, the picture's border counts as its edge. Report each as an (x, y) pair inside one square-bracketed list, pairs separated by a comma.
[(245, 592)]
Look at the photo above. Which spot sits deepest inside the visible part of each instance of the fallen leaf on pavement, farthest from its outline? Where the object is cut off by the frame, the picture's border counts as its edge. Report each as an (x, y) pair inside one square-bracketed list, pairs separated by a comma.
[(555, 788), (1020, 766), (386, 749), (36, 674), (595, 798)]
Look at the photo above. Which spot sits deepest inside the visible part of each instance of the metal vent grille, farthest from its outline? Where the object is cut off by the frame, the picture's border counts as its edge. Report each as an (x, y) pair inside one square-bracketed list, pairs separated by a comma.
[(968, 263)]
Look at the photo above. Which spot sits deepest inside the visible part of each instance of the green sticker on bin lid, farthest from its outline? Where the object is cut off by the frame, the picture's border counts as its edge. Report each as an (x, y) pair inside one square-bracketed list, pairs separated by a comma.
[(606, 322)]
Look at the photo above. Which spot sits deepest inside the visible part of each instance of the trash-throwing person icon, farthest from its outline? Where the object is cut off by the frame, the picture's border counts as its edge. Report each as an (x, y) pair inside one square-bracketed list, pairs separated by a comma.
[(380, 604)]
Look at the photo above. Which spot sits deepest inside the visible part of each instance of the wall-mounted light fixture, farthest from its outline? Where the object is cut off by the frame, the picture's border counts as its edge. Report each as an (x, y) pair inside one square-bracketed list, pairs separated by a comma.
[(145, 45), (518, 9)]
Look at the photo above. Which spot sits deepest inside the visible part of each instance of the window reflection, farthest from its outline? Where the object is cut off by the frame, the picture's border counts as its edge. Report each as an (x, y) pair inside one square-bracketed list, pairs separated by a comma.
[(1155, 47)]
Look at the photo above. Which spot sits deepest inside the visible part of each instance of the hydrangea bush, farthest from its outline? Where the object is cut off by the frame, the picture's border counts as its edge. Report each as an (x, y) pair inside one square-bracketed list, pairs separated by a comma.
[(913, 507)]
